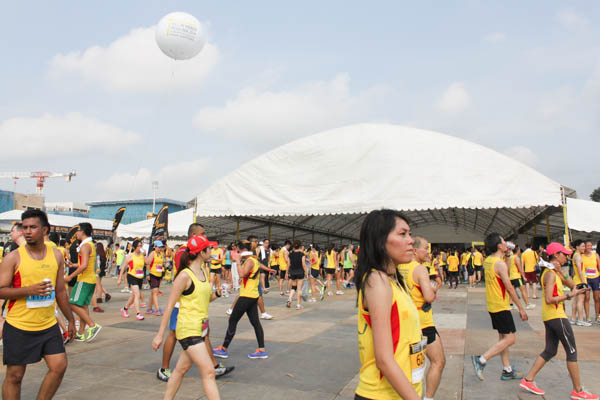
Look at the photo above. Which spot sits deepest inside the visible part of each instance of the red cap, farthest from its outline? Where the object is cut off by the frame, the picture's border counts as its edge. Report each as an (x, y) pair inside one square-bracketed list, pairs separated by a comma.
[(198, 243), (555, 247)]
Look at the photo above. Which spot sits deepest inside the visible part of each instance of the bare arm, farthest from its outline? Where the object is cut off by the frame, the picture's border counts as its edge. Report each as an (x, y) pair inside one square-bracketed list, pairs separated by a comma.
[(421, 278), (519, 265), (378, 297), (7, 270), (579, 266), (62, 298), (149, 258), (549, 281), (123, 268), (85, 257), (502, 270)]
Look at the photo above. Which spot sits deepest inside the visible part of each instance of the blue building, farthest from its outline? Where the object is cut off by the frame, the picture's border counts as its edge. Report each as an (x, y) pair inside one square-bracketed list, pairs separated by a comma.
[(7, 200), (137, 210)]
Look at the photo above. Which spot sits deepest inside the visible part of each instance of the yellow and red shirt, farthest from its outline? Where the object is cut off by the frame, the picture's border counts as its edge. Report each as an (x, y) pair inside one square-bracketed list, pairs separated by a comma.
[(496, 296), (552, 311), (425, 318), (157, 265), (250, 283), (89, 274), (136, 266)]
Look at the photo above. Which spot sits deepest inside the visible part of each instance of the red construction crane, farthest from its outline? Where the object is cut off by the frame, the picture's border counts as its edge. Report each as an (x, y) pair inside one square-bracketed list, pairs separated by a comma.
[(41, 177)]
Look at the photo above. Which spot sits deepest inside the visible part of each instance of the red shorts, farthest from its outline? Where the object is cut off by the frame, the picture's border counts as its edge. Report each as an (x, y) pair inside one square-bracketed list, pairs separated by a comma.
[(531, 277)]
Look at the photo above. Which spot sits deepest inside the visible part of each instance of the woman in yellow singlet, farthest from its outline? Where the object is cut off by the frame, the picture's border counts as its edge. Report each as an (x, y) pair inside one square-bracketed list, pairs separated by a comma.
[(314, 257), (332, 269), (134, 265), (192, 289), (580, 280), (156, 261), (390, 342)]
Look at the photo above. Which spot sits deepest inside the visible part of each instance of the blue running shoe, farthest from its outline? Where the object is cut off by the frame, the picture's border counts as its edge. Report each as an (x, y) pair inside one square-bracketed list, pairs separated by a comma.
[(220, 352), (258, 354), (479, 367)]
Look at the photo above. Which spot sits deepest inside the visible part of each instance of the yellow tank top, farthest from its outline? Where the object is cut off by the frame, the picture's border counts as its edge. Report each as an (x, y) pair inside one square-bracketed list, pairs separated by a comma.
[(590, 266), (33, 313), (426, 318), (216, 258), (282, 262), (431, 268), (442, 256), (250, 284), (89, 274), (330, 260), (274, 260), (514, 270), (1, 253), (315, 260), (478, 259), (136, 266), (552, 311), (496, 296), (529, 260), (193, 308), (157, 266), (452, 263), (406, 333)]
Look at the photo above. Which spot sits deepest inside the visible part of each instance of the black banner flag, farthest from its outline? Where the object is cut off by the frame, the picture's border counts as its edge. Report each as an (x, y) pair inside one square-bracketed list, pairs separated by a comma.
[(118, 218), (71, 235), (160, 228)]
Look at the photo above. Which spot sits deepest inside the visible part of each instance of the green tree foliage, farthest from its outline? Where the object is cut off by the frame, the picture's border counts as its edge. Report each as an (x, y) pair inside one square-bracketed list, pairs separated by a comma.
[(595, 196)]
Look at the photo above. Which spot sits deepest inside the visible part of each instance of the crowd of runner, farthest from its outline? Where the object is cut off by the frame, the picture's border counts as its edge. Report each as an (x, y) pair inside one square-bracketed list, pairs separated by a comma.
[(48, 286)]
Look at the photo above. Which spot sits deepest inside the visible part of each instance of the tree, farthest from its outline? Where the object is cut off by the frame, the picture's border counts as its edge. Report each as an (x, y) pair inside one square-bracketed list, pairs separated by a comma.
[(595, 196)]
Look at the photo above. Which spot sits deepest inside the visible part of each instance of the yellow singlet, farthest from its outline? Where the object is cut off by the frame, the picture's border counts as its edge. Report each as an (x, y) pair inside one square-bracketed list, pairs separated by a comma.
[(464, 258), (157, 266), (136, 266), (590, 266), (426, 318), (216, 258), (282, 262), (431, 268), (250, 284), (442, 261), (530, 259), (478, 259), (514, 270), (315, 260), (89, 274), (193, 308), (552, 311), (33, 313), (330, 260), (1, 253), (453, 263), (406, 334), (495, 293)]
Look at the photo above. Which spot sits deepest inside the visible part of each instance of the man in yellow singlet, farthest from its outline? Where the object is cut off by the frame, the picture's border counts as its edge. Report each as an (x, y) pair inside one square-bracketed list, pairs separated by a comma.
[(32, 279), (477, 259), (498, 289)]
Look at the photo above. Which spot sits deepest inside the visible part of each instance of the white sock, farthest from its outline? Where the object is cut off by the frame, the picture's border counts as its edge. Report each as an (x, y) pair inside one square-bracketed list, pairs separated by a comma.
[(508, 369), (482, 360), (427, 398)]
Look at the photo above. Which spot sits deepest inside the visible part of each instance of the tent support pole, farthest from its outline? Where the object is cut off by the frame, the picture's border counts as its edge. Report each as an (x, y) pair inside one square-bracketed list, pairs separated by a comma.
[(269, 232), (237, 231), (548, 228), (567, 238), (293, 234)]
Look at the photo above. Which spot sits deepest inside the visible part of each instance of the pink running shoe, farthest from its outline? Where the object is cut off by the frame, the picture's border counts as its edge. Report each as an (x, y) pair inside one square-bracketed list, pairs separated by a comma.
[(583, 395), (139, 317), (530, 386), (124, 313)]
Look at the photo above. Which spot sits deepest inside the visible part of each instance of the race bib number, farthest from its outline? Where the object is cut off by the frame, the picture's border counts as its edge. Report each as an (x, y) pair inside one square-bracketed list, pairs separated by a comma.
[(591, 271), (159, 268), (139, 273), (417, 360), (37, 301)]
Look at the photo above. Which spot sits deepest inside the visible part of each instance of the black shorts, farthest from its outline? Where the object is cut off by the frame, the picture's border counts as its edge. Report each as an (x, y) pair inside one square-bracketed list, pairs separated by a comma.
[(73, 281), (282, 274), (503, 322), (432, 277), (315, 273), (190, 341), (330, 271), (227, 267), (296, 275), (154, 281), (470, 271), (478, 268), (216, 270), (133, 281), (516, 283), (262, 271), (28, 347), (430, 333)]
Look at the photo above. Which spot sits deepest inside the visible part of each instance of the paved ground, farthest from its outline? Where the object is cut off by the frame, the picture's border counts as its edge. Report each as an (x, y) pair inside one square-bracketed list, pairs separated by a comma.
[(313, 354)]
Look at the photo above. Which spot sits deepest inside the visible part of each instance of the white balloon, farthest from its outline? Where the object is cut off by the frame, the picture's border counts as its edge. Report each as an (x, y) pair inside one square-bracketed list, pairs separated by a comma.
[(179, 35)]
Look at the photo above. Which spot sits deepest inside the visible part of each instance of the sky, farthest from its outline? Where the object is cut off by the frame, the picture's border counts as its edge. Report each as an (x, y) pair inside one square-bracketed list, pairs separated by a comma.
[(83, 86)]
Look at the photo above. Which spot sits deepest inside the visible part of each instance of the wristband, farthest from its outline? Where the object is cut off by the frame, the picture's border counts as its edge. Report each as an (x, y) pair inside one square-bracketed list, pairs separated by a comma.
[(566, 276)]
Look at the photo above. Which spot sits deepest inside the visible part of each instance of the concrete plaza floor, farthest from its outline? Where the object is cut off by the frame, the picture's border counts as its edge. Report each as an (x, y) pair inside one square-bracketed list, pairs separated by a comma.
[(312, 353)]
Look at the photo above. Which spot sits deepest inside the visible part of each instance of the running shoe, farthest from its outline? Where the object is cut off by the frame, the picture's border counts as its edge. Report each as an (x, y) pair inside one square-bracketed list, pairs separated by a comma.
[(287, 292), (65, 336), (507, 376), (139, 317), (582, 323), (79, 337), (530, 306), (322, 294), (479, 367), (530, 386), (572, 321), (220, 352), (163, 374), (107, 297), (143, 305), (312, 300), (125, 290), (330, 293), (92, 332), (229, 311), (281, 294), (97, 309), (598, 321), (258, 354), (150, 311), (124, 313), (583, 395), (158, 312), (160, 293), (266, 315), (339, 292), (221, 370), (299, 306), (99, 300), (288, 304)]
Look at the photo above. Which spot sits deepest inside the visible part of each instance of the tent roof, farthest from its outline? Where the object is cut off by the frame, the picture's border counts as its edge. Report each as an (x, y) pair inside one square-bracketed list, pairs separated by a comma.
[(178, 225), (583, 215), (325, 183), (60, 220)]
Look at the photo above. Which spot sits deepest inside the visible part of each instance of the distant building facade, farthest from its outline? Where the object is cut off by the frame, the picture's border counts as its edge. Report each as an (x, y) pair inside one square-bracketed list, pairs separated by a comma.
[(137, 210), (19, 201), (72, 209)]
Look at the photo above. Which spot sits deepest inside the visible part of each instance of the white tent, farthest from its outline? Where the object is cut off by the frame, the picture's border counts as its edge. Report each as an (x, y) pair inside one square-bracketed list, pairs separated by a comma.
[(178, 225), (583, 215), (64, 221), (324, 184)]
